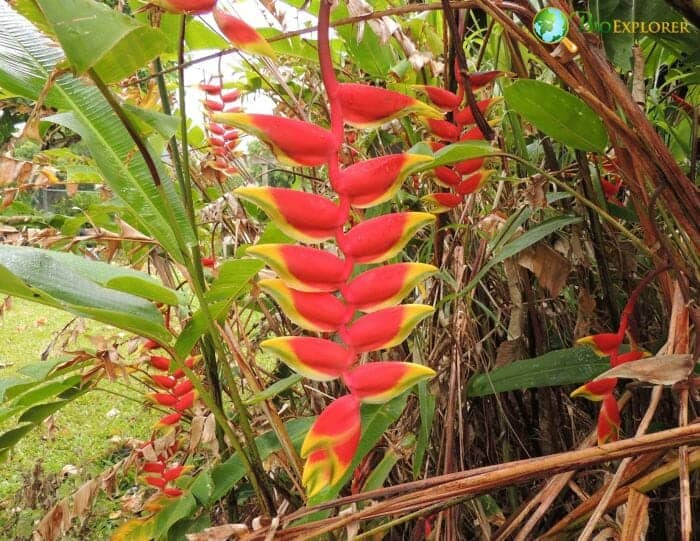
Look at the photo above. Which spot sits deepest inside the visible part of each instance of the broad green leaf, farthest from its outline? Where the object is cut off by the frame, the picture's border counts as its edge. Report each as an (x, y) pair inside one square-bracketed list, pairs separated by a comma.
[(200, 36), (274, 389), (380, 473), (49, 390), (34, 275), (95, 36), (183, 507), (27, 61), (148, 121), (560, 367), (558, 114), (38, 413), (112, 276), (227, 474)]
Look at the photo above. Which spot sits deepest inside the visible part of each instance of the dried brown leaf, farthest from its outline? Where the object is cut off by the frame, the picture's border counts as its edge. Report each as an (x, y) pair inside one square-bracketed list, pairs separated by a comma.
[(660, 370), (219, 533), (550, 268)]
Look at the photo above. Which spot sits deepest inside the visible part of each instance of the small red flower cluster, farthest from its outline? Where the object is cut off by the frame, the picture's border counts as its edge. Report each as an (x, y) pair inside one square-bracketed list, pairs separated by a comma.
[(467, 176), (176, 392), (223, 141), (611, 181)]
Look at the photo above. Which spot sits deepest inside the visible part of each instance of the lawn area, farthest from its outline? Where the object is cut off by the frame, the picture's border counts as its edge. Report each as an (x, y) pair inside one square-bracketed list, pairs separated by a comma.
[(85, 435)]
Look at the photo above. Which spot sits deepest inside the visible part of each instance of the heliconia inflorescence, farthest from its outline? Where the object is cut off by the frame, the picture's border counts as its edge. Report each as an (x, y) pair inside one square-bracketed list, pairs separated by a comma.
[(315, 287), (468, 176), (175, 392), (609, 345), (222, 141)]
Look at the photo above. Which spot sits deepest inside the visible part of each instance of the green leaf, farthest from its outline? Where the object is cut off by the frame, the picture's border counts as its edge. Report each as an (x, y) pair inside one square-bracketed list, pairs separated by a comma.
[(562, 116), (38, 413), (95, 36), (49, 390), (380, 473), (35, 275), (458, 152), (149, 121), (426, 404), (112, 276), (515, 246), (11, 437), (183, 507), (274, 389), (200, 36), (560, 367), (27, 61), (234, 277)]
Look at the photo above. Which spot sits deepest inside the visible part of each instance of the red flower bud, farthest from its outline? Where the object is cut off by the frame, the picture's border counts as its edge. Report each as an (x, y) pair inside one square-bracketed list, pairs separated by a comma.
[(157, 482), (173, 492), (209, 262), (242, 35), (465, 116), (446, 176), (482, 78), (444, 99), (474, 182), (161, 363), (216, 141), (170, 419), (182, 388), (608, 421), (173, 473), (163, 399), (233, 95), (193, 7), (210, 88), (441, 202), (186, 401), (604, 344), (367, 106), (293, 142), (379, 382), (153, 467), (467, 167), (596, 390), (213, 105), (166, 382), (444, 129), (150, 344)]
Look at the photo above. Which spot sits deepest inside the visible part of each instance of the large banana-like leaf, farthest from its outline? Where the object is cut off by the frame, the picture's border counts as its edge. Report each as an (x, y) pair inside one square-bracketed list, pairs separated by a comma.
[(38, 276), (28, 59)]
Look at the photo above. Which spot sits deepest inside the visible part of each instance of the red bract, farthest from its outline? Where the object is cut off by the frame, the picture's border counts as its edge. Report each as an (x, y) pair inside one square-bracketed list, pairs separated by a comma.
[(314, 358), (385, 286), (163, 399), (444, 99), (375, 181), (303, 268), (166, 382), (441, 202), (320, 312), (161, 363), (469, 166), (367, 106), (608, 421), (193, 7), (474, 182), (293, 142), (385, 328), (242, 35), (379, 382), (303, 216), (596, 390), (186, 401), (444, 129), (446, 176), (381, 238), (153, 467), (482, 78), (157, 482), (605, 344), (170, 419), (465, 115), (182, 388)]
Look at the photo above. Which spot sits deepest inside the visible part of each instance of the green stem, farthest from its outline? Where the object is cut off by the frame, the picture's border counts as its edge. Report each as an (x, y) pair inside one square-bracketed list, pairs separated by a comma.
[(198, 285), (186, 257), (587, 202)]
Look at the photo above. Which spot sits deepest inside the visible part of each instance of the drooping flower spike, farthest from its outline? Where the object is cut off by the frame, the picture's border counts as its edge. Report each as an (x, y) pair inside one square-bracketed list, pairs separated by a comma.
[(608, 420), (242, 35), (314, 288)]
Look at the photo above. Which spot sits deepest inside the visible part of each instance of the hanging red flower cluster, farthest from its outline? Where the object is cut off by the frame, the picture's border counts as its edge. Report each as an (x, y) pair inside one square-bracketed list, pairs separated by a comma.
[(609, 345), (175, 392), (221, 140), (314, 287), (465, 177)]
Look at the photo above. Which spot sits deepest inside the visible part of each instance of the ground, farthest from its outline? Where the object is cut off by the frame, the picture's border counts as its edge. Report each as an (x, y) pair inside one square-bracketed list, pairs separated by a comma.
[(86, 433)]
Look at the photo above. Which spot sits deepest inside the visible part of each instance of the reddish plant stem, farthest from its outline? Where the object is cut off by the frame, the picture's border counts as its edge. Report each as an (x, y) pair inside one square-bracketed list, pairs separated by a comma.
[(629, 307)]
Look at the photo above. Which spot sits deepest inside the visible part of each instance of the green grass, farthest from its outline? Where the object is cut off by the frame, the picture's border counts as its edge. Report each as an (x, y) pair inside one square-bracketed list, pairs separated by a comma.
[(87, 431)]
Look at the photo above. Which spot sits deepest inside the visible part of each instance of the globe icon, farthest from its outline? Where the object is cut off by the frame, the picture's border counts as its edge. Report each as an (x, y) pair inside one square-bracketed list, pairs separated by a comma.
[(550, 25)]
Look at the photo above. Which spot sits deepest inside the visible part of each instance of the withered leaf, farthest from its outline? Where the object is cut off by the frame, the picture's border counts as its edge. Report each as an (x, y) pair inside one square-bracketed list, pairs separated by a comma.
[(660, 370)]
